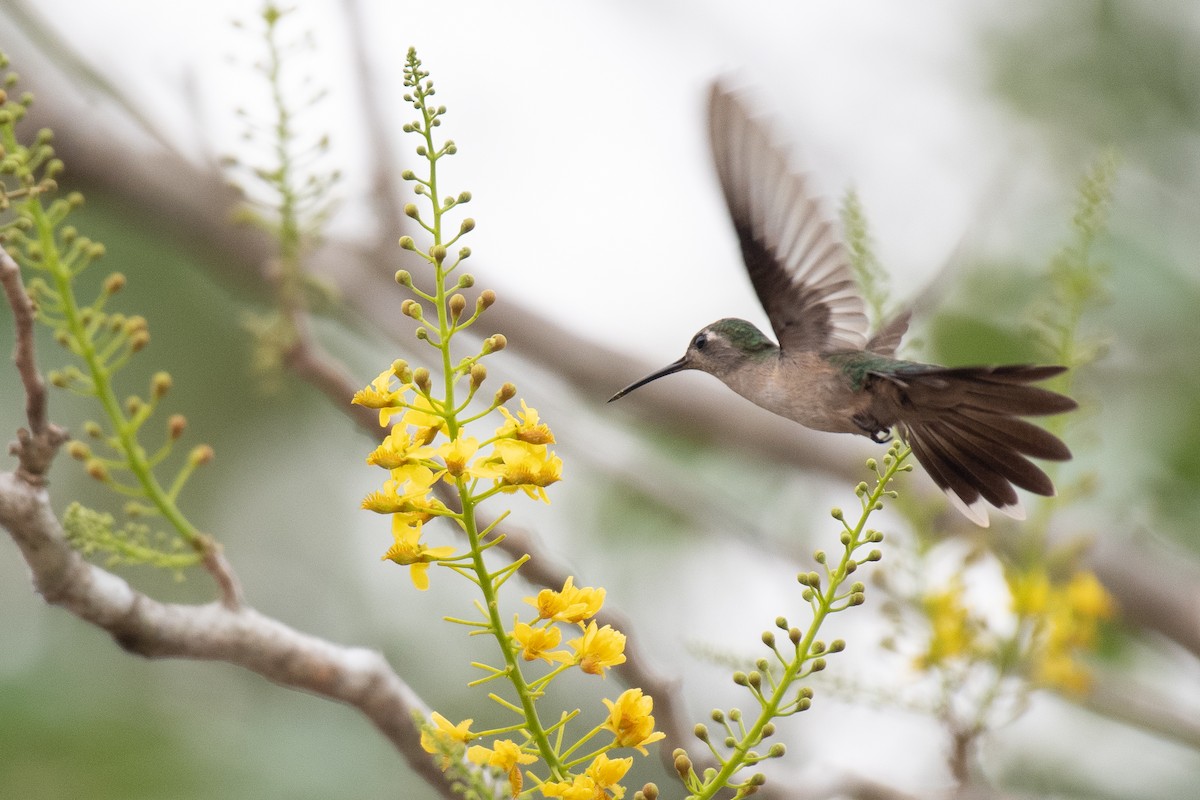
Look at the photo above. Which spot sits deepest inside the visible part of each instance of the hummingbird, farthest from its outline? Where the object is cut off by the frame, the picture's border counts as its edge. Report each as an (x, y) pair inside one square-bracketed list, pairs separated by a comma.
[(963, 423)]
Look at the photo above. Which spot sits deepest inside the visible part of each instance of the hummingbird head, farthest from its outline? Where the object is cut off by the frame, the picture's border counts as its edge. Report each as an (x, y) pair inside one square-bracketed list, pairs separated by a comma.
[(717, 349)]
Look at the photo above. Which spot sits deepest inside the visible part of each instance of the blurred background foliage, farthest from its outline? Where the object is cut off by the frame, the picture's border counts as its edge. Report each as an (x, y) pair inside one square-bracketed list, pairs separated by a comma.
[(80, 718)]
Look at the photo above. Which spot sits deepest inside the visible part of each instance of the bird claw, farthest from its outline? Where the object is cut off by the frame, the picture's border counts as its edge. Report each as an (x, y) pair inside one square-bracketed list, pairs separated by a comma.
[(871, 427)]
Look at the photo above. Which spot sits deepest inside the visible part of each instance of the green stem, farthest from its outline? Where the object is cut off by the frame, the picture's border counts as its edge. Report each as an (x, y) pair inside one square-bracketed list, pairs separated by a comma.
[(533, 724), (771, 705), (124, 428)]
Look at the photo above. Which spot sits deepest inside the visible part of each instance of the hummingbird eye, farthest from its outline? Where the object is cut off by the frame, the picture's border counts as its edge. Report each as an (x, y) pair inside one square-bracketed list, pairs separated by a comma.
[(700, 340)]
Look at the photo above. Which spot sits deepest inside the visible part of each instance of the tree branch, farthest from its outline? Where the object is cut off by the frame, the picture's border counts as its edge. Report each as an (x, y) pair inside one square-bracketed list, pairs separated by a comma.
[(355, 676)]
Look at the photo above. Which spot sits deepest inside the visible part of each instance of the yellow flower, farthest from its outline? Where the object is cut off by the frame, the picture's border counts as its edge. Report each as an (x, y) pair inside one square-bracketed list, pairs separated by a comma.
[(599, 649), (608, 772), (570, 605), (505, 756), (398, 450), (445, 740), (520, 465), (953, 632), (409, 550), (410, 496), (630, 721), (1058, 670), (1030, 591), (1088, 598), (528, 429), (536, 642), (581, 788), (456, 454), (381, 396), (425, 418)]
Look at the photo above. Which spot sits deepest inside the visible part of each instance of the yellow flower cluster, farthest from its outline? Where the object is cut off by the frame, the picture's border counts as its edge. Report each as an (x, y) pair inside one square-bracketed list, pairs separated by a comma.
[(595, 651), (600, 781), (1061, 621), (629, 720), (516, 458), (1067, 617)]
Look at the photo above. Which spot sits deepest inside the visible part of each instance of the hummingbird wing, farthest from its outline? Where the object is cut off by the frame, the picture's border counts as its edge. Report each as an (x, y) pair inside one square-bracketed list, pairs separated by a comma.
[(798, 264), (887, 339)]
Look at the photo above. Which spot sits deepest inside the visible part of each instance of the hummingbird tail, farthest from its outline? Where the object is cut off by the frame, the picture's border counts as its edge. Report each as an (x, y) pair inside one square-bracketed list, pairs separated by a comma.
[(964, 427)]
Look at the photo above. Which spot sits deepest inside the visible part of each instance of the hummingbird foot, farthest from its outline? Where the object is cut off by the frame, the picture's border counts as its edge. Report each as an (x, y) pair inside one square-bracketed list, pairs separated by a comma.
[(871, 427)]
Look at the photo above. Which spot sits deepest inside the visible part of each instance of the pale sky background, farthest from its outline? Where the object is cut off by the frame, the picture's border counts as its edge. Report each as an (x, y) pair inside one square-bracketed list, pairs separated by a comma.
[(582, 134)]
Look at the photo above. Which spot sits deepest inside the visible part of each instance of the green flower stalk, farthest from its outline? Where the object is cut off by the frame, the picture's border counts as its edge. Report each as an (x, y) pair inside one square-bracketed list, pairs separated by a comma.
[(775, 683), (434, 414), (101, 342)]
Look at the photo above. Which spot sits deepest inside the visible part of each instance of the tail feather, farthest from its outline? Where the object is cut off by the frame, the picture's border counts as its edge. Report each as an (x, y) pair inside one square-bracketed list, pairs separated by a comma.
[(965, 429)]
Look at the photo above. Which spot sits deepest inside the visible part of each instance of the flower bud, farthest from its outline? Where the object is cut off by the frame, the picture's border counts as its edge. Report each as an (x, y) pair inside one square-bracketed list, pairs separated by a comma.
[(467, 226), (457, 304), (201, 454), (438, 253), (176, 425), (114, 283), (410, 308), (683, 764), (404, 277), (478, 375), (95, 468), (466, 280), (410, 210), (487, 298), (93, 429), (648, 792), (139, 340), (79, 450), (407, 243), (160, 384), (701, 732), (505, 393), (133, 404), (421, 379)]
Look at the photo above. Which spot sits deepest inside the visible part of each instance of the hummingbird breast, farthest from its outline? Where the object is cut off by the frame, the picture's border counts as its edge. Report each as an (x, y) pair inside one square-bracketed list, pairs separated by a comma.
[(804, 388)]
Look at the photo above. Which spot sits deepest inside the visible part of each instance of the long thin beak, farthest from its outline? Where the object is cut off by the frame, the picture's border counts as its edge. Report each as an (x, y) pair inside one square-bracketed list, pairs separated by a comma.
[(681, 364)]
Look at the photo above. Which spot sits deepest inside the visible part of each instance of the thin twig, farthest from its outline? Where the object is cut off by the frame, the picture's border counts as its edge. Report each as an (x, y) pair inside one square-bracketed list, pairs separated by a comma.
[(36, 446)]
